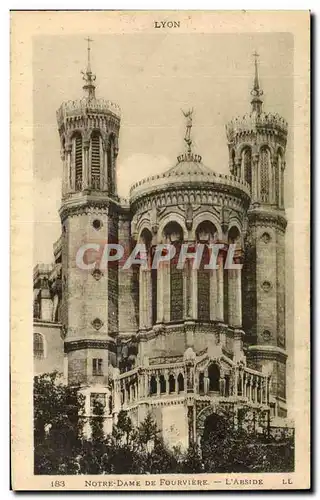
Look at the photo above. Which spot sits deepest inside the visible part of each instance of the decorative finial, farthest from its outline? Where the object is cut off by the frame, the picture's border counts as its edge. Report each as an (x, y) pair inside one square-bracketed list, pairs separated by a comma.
[(88, 76), (188, 156), (256, 92), (187, 137)]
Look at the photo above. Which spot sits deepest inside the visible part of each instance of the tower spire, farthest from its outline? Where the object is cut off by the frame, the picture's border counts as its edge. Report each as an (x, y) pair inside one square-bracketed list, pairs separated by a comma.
[(88, 76), (256, 92)]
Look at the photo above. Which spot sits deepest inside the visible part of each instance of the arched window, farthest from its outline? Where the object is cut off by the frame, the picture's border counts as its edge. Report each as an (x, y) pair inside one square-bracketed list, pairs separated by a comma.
[(180, 383), (153, 385), (278, 168), (151, 289), (234, 238), (246, 165), (233, 162), (172, 384), (163, 384), (214, 377), (95, 160), (227, 387), (205, 234), (38, 346), (77, 145), (201, 383), (154, 288), (110, 164), (265, 175), (174, 235)]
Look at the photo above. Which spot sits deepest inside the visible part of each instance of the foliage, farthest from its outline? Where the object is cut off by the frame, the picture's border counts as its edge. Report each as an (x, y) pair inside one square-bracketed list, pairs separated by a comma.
[(62, 448), (57, 424)]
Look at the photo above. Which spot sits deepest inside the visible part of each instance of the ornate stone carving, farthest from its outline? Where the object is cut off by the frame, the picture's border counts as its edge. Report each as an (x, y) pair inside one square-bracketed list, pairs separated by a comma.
[(266, 238), (266, 335), (97, 274), (189, 216), (266, 286), (97, 324), (154, 220)]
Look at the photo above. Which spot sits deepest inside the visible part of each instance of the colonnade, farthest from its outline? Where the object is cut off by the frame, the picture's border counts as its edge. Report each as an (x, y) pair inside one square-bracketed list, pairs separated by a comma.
[(242, 383), (216, 295)]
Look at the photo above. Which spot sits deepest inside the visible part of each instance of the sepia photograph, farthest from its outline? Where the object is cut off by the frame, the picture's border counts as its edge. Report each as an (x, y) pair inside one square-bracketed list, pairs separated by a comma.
[(163, 264)]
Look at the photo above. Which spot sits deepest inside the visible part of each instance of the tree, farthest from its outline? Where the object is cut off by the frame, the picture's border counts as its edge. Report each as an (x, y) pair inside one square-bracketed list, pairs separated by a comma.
[(227, 447), (57, 424), (191, 461)]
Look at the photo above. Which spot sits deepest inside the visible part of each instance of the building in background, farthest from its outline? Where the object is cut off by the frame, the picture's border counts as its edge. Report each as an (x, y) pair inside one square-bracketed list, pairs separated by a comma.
[(177, 342)]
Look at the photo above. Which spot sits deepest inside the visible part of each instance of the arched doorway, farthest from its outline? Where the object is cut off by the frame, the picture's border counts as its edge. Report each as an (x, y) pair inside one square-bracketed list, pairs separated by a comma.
[(213, 441)]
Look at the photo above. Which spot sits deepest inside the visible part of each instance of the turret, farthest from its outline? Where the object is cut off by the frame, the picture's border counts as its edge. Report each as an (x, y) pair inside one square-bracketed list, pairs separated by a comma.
[(257, 145), (89, 132)]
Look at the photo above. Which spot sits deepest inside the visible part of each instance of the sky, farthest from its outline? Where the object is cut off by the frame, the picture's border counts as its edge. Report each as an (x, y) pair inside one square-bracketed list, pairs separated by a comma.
[(153, 77)]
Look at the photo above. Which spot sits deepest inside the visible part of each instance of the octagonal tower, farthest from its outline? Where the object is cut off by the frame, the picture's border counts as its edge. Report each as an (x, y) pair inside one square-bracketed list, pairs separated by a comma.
[(257, 147), (89, 131)]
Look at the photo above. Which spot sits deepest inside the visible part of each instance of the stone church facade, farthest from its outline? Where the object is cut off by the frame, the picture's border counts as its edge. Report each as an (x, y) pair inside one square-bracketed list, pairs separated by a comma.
[(179, 343)]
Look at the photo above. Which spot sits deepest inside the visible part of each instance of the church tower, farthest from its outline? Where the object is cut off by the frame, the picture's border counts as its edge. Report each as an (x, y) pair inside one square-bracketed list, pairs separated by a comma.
[(257, 146), (89, 132)]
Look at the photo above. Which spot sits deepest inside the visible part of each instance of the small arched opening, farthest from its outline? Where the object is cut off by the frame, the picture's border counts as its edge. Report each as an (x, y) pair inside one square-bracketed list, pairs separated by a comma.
[(214, 377), (173, 234), (205, 235), (163, 385), (172, 384), (153, 385), (180, 383), (38, 346)]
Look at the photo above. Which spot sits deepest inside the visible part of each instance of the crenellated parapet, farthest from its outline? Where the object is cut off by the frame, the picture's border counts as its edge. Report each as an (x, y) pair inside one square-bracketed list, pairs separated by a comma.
[(253, 123), (94, 111)]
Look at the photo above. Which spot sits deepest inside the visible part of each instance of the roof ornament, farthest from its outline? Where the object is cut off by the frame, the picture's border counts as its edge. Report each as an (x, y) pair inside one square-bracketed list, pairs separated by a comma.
[(187, 138), (256, 92), (188, 156), (88, 76)]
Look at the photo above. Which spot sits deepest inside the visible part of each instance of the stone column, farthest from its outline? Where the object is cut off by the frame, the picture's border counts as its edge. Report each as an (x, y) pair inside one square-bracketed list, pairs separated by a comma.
[(254, 178), (86, 165), (234, 297), (194, 291), (163, 292), (146, 385), (235, 385), (250, 388), (187, 291), (238, 168), (145, 299), (167, 382), (219, 314), (64, 172), (222, 385), (70, 170), (105, 164), (281, 190), (214, 295), (206, 383)]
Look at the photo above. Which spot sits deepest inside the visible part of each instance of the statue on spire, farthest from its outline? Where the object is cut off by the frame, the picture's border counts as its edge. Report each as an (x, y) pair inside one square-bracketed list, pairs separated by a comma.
[(88, 76), (256, 92), (187, 137)]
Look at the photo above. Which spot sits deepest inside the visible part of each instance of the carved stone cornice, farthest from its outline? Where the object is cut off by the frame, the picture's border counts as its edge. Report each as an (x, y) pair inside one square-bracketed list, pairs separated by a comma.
[(261, 217), (75, 345), (202, 193), (264, 352)]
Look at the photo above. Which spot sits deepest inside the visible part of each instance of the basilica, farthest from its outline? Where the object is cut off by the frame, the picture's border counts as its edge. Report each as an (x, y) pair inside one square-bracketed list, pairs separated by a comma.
[(179, 343)]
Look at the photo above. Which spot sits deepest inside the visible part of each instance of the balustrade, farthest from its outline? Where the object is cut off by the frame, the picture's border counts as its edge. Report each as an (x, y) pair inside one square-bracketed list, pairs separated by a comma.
[(156, 382)]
